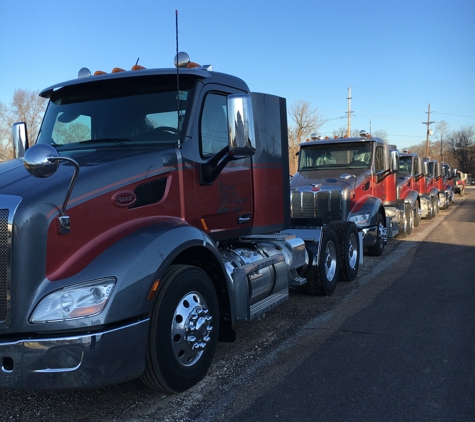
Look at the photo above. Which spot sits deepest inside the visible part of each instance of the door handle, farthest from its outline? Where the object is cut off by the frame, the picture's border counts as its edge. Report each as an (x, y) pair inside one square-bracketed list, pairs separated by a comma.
[(245, 218)]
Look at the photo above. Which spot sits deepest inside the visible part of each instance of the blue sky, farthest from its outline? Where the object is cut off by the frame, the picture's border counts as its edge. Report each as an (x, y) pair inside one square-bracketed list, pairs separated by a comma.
[(397, 56)]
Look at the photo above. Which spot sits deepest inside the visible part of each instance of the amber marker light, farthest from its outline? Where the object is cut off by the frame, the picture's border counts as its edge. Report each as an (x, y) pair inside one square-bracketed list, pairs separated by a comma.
[(153, 290)]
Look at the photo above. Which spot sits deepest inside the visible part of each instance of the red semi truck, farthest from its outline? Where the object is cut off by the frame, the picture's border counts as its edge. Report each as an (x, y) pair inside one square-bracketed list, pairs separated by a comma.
[(353, 179), (151, 215)]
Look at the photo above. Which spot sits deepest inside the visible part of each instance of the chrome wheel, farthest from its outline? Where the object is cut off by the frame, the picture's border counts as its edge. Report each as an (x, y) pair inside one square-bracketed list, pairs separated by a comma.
[(191, 329)]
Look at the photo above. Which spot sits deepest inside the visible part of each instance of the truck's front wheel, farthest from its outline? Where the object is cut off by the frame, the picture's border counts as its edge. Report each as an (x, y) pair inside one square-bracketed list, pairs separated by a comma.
[(323, 278), (183, 330), (378, 248)]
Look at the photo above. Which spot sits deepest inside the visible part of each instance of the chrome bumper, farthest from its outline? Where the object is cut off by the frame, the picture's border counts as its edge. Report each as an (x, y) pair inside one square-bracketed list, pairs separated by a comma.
[(75, 362)]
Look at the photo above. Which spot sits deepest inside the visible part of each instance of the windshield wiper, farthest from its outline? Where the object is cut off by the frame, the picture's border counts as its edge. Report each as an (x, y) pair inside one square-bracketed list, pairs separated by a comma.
[(119, 141)]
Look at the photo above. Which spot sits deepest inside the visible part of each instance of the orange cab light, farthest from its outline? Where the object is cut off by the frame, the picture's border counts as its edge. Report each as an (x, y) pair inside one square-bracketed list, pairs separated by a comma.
[(117, 70), (137, 67), (192, 64), (99, 72)]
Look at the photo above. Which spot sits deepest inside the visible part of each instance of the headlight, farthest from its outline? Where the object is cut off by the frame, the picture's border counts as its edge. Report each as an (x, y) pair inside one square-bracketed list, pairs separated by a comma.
[(361, 219), (79, 301)]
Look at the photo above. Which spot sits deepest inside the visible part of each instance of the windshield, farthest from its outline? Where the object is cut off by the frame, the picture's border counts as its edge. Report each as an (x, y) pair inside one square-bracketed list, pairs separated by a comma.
[(345, 155), (405, 165), (129, 111)]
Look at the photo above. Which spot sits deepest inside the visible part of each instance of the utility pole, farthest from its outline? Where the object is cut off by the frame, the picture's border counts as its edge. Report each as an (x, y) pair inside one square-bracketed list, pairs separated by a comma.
[(348, 130), (428, 123)]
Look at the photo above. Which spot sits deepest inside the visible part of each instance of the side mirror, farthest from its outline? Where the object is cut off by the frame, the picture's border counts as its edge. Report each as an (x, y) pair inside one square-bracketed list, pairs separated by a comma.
[(393, 160), (20, 139), (41, 160), (241, 126)]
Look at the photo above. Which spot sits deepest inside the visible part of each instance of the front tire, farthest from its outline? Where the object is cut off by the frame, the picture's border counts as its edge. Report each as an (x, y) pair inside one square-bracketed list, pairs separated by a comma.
[(417, 217), (323, 278), (348, 240), (378, 248), (183, 330), (410, 219)]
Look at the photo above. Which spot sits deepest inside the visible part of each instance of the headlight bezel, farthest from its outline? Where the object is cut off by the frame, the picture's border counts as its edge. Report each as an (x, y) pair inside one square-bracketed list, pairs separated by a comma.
[(361, 220), (77, 301)]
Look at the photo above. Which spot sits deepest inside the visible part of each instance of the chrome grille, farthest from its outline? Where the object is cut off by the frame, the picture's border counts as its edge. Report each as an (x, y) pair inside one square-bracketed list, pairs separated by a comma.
[(4, 264), (323, 204)]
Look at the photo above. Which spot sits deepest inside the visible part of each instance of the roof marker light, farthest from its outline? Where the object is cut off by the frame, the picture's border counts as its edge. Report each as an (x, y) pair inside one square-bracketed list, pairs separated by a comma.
[(84, 72)]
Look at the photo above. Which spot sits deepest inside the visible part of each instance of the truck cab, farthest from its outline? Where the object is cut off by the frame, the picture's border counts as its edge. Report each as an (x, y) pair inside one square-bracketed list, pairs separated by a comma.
[(349, 179), (153, 211)]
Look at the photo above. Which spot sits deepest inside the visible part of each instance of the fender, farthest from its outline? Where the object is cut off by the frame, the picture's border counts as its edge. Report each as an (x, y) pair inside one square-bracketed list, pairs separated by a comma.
[(367, 204), (433, 192), (144, 257), (412, 197)]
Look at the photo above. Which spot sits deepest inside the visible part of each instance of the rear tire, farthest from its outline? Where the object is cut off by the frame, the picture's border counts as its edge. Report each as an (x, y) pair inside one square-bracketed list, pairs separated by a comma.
[(322, 279), (349, 243), (183, 330)]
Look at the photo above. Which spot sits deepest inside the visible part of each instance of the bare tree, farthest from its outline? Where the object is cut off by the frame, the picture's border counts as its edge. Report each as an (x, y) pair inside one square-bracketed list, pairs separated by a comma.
[(340, 132), (382, 134), (462, 143), (306, 121), (26, 106), (441, 131)]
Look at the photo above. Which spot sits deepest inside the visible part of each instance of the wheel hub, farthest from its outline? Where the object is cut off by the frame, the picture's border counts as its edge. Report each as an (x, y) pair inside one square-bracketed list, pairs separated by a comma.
[(191, 328), (352, 251), (330, 261)]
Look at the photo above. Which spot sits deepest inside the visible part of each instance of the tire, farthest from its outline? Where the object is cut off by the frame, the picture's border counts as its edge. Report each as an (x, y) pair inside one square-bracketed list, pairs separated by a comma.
[(378, 248), (431, 213), (322, 279), (417, 217), (183, 330), (410, 219), (349, 243), (405, 222)]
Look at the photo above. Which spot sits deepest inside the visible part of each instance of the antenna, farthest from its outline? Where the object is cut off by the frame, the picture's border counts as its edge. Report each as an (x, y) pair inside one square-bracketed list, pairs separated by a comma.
[(177, 83)]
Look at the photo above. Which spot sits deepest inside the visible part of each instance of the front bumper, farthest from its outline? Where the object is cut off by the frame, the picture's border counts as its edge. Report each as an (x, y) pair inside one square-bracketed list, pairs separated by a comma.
[(74, 362)]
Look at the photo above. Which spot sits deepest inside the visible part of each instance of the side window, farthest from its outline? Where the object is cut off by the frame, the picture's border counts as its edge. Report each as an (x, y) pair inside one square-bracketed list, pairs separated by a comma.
[(214, 126), (379, 160)]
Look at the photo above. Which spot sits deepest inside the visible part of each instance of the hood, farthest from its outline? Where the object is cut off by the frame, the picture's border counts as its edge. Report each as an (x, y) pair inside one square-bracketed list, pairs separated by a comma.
[(331, 179), (99, 169)]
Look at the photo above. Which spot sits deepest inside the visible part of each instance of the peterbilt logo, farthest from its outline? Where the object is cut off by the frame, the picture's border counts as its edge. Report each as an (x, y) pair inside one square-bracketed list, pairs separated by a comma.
[(124, 198)]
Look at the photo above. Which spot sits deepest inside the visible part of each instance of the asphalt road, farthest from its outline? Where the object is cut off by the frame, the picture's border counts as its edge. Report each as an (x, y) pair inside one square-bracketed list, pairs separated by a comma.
[(396, 344)]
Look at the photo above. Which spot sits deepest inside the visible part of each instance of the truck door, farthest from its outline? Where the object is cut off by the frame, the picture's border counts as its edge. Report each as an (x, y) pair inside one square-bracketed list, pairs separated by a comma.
[(380, 173), (225, 206)]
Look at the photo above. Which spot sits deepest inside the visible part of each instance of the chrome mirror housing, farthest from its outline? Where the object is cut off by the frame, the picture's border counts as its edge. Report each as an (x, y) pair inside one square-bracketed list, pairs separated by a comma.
[(40, 160)]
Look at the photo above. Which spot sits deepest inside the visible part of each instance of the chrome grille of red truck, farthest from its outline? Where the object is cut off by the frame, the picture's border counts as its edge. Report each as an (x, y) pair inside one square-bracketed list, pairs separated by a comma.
[(322, 204)]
